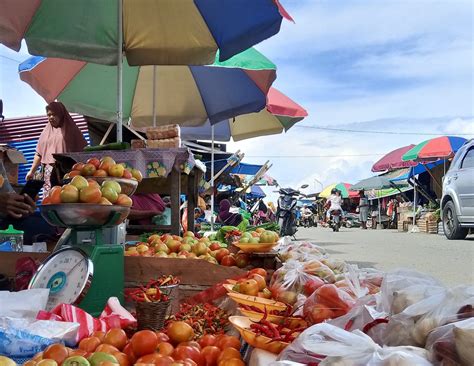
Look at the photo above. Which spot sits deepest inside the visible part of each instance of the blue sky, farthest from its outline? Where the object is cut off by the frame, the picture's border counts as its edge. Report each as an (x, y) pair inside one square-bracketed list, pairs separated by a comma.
[(403, 65)]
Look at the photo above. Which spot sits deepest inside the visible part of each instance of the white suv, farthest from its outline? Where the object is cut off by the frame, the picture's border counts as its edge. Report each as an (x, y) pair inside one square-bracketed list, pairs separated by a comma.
[(457, 204)]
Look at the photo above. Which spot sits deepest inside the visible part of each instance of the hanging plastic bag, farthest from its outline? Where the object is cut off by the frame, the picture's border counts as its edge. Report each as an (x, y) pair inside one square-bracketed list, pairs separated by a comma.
[(412, 326), (452, 344), (327, 345), (23, 304), (327, 302), (292, 280)]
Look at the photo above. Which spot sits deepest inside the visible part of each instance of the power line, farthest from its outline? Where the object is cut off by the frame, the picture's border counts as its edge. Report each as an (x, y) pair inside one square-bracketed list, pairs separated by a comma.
[(314, 156), (382, 132)]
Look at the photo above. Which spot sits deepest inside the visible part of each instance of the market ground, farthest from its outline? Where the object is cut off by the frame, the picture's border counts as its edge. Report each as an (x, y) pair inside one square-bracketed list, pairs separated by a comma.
[(451, 261)]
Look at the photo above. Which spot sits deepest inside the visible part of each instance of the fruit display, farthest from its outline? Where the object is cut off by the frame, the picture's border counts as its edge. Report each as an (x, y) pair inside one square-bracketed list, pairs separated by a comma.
[(176, 345), (259, 236), (104, 167), (203, 319), (187, 247), (82, 190), (254, 284)]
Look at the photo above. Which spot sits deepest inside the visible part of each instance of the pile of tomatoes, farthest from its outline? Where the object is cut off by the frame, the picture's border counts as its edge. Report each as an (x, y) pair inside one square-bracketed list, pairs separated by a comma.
[(173, 347)]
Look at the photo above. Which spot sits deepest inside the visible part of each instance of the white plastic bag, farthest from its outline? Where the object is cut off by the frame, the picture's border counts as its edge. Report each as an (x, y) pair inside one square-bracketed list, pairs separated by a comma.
[(23, 304), (332, 346), (26, 337)]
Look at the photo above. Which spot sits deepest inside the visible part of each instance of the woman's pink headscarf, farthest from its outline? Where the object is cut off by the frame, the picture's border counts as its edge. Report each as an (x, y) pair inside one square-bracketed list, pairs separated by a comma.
[(66, 138)]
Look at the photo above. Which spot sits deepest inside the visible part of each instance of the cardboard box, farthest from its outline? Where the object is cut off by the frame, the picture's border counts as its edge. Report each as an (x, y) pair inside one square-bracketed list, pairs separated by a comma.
[(11, 158)]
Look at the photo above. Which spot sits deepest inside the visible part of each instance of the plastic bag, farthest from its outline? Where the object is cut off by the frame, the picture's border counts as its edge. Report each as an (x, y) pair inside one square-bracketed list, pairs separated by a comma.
[(331, 346), (452, 344), (412, 326), (25, 337), (291, 280), (23, 304), (299, 250), (327, 302)]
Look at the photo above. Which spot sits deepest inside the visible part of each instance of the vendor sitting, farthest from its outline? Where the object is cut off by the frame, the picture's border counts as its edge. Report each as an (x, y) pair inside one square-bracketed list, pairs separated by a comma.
[(145, 207), (225, 217), (19, 211)]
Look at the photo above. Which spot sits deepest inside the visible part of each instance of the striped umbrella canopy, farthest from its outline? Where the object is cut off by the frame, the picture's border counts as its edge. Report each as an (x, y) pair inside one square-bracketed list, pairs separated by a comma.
[(154, 32), (344, 188), (182, 94), (280, 114), (443, 147), (393, 160)]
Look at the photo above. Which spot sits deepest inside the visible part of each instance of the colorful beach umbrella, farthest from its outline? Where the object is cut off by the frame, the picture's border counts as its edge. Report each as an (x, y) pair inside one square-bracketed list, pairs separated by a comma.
[(443, 147), (154, 32), (280, 114), (344, 188), (184, 94), (393, 160)]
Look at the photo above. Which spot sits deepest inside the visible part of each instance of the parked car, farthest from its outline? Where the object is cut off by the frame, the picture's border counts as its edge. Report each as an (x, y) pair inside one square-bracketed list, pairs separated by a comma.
[(457, 203)]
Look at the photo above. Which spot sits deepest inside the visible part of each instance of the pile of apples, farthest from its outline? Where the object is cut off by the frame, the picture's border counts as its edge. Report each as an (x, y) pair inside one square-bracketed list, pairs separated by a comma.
[(105, 167), (175, 346), (254, 285), (259, 236), (187, 247), (82, 190)]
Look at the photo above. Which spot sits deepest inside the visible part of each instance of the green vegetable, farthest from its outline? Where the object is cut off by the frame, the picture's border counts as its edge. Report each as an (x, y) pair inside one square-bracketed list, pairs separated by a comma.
[(111, 146)]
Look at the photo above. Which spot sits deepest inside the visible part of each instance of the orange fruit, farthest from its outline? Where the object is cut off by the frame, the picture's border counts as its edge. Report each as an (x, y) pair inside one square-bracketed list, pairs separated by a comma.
[(116, 337)]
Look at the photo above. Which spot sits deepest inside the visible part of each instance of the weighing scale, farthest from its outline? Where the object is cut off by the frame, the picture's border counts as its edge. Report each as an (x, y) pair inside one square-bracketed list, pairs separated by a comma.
[(85, 273)]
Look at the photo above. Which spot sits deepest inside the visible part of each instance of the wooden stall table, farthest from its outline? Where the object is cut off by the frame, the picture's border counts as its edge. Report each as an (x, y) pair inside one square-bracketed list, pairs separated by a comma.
[(165, 171)]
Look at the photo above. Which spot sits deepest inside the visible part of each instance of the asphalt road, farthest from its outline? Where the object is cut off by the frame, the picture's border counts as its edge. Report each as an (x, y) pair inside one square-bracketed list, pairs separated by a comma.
[(450, 261)]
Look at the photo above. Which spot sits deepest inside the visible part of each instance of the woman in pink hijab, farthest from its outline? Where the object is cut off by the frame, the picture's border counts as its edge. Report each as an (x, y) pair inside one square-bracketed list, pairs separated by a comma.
[(59, 136)]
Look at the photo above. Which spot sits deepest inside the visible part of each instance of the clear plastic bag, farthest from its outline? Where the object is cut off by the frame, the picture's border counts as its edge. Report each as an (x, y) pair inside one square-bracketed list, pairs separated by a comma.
[(327, 345), (327, 302), (452, 344), (292, 280), (23, 304), (413, 325), (299, 250)]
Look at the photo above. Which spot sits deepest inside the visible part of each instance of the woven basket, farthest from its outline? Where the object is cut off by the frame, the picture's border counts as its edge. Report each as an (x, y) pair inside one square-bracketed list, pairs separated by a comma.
[(172, 291), (151, 315)]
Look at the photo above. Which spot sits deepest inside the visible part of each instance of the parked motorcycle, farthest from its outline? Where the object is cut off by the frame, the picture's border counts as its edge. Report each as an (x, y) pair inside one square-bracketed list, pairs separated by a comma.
[(335, 220), (286, 212)]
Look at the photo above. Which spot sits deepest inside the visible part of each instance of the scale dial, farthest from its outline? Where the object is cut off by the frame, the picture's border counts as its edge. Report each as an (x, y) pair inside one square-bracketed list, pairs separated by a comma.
[(67, 273)]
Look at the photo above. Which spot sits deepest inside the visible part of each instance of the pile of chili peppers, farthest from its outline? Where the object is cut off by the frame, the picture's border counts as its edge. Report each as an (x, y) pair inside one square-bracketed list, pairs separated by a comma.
[(286, 313), (280, 332), (151, 292), (203, 318)]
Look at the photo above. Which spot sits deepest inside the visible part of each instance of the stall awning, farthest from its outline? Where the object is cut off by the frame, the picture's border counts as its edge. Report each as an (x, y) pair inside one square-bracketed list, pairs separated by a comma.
[(420, 168), (242, 168)]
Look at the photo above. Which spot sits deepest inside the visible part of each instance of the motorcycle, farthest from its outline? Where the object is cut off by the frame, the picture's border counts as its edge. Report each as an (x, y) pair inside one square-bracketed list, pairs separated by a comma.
[(286, 212), (335, 220)]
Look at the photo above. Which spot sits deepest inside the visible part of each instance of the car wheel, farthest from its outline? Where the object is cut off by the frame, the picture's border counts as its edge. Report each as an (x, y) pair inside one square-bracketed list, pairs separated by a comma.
[(452, 229)]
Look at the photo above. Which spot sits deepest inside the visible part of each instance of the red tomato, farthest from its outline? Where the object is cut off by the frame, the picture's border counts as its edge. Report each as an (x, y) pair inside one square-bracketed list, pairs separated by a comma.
[(227, 354), (259, 271), (107, 348), (164, 361), (128, 350), (312, 285), (116, 337), (144, 342), (149, 359), (191, 344), (207, 340), (227, 341), (89, 344), (99, 334), (165, 349), (122, 358), (162, 337), (56, 352), (211, 355), (184, 352), (232, 362), (228, 261)]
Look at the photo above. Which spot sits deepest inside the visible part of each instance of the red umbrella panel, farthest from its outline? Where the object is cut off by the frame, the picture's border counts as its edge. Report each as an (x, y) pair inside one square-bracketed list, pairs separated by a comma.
[(393, 160)]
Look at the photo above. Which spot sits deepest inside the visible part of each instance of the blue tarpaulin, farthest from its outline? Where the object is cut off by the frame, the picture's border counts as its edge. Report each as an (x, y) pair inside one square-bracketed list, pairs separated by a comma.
[(418, 169), (257, 192), (242, 168)]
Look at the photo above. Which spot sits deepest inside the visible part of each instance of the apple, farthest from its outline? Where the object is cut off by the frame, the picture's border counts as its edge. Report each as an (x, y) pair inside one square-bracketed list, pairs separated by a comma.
[(116, 170), (221, 253), (183, 252), (124, 200), (161, 255), (92, 183), (88, 170), (90, 195), (173, 255), (162, 247), (192, 255), (107, 159), (173, 245), (254, 241), (112, 184), (199, 248), (100, 173), (110, 194), (214, 246), (229, 261), (265, 293), (127, 174), (78, 166), (176, 237), (188, 240), (137, 175), (142, 248), (72, 174), (105, 201), (79, 182), (69, 194), (262, 284), (242, 260), (248, 287), (153, 237), (94, 161), (189, 233), (165, 237), (288, 297), (184, 247)]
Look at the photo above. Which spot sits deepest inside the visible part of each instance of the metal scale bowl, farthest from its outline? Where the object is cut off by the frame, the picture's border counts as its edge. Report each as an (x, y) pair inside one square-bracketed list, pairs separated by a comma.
[(83, 273)]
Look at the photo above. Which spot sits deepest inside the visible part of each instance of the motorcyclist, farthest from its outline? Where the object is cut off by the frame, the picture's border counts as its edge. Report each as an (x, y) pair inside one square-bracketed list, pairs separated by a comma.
[(306, 213), (334, 202)]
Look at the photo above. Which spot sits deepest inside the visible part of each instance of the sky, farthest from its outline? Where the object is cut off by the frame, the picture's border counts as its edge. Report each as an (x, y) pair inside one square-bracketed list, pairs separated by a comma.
[(402, 66)]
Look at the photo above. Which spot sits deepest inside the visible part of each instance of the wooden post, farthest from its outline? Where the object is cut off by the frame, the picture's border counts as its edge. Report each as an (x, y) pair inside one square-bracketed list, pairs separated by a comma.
[(175, 201), (192, 194)]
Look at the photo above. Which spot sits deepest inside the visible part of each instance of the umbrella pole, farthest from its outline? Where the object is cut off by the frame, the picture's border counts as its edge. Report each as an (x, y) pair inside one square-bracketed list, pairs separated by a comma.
[(154, 95), (212, 177), (119, 71), (414, 204)]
